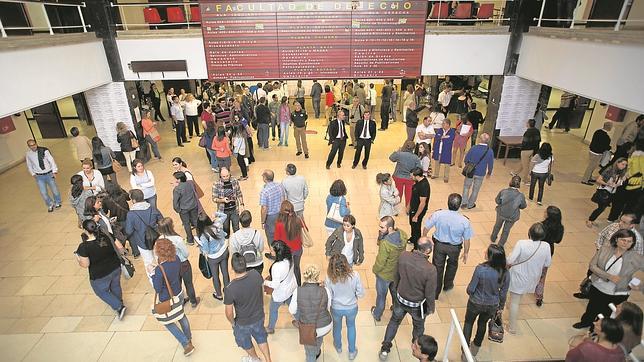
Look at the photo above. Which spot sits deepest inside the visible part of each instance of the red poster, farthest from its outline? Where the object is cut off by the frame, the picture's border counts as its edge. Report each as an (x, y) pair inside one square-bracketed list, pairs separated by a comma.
[(305, 39), (6, 125)]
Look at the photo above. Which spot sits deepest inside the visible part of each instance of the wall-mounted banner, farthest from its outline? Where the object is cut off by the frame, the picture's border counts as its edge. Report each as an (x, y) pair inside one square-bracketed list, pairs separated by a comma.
[(108, 105)]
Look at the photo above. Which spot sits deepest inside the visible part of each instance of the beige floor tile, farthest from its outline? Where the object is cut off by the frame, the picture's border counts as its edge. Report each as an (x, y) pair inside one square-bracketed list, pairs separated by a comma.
[(29, 325), (66, 346), (94, 324), (15, 347), (128, 346), (61, 325), (66, 285), (554, 333), (129, 323), (37, 286)]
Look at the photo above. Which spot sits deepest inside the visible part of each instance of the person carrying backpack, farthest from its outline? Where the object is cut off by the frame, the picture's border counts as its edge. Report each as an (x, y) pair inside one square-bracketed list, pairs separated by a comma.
[(249, 243)]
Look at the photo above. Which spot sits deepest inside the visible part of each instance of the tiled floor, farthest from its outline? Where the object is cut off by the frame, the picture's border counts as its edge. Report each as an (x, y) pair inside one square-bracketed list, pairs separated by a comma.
[(48, 311)]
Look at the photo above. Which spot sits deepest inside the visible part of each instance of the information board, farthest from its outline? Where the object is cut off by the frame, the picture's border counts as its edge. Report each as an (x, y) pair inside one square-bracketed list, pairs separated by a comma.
[(108, 105), (313, 39)]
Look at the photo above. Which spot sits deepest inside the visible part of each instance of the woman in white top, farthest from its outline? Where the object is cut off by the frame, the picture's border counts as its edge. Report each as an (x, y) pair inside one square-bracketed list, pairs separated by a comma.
[(92, 179), (541, 168), (408, 98), (609, 180), (423, 155), (142, 179), (389, 196), (166, 229), (437, 117), (239, 148), (211, 239), (180, 165), (282, 281), (526, 263), (191, 106)]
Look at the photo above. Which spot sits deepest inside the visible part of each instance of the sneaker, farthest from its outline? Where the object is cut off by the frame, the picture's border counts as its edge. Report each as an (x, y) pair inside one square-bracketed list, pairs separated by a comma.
[(50, 208), (338, 349), (218, 297), (383, 355), (539, 203), (243, 179), (539, 302), (580, 295), (58, 206), (373, 315), (298, 153), (352, 355), (306, 155), (188, 350), (122, 312), (196, 303)]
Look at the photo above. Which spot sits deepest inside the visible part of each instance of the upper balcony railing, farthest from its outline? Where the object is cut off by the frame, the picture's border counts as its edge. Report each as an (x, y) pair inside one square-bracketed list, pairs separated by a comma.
[(158, 16), (38, 10), (466, 12), (579, 16)]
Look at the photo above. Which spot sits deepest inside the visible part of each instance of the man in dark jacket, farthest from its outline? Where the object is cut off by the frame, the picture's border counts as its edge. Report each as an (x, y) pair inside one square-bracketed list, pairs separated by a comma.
[(337, 139), (529, 147), (385, 104), (316, 94), (184, 202), (415, 283), (263, 119), (365, 135), (598, 145), (411, 118), (140, 216)]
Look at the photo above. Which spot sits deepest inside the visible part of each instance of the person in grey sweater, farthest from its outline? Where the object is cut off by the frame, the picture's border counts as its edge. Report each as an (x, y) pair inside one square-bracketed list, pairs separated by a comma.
[(184, 202), (509, 203), (405, 161), (296, 189)]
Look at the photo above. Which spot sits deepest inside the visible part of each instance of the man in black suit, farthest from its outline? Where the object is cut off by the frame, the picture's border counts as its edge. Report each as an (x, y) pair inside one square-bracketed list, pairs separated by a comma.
[(365, 136), (337, 139), (385, 104)]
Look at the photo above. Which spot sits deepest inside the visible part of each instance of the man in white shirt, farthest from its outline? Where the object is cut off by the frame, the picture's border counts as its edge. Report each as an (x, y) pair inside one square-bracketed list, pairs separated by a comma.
[(179, 121), (445, 97), (296, 189), (425, 132), (259, 93), (42, 167), (372, 97)]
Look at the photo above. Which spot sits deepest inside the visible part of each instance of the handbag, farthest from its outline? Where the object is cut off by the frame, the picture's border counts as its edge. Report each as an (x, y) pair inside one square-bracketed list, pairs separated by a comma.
[(204, 267), (307, 331), (202, 141), (334, 212), (601, 196), (584, 286), (116, 166), (171, 310), (269, 290), (127, 268), (134, 141), (468, 169), (550, 178), (307, 240), (154, 134), (495, 329)]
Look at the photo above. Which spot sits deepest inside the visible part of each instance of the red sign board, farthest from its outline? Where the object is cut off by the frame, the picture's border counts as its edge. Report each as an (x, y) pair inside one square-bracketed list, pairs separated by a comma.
[(6, 125), (313, 39)]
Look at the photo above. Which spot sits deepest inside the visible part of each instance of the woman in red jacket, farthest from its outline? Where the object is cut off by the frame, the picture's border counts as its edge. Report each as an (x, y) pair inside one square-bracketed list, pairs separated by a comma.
[(288, 228), (329, 101)]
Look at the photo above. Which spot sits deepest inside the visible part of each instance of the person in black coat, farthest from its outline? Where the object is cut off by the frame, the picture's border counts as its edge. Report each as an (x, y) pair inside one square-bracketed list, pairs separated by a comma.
[(365, 135), (337, 139), (598, 145)]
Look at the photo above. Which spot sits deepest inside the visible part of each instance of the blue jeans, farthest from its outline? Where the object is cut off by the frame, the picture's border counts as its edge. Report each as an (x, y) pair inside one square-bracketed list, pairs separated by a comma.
[(474, 183), (45, 181), (213, 158), (182, 331), (381, 295), (283, 134), (262, 135), (243, 334), (350, 315), (108, 288), (269, 227), (273, 310)]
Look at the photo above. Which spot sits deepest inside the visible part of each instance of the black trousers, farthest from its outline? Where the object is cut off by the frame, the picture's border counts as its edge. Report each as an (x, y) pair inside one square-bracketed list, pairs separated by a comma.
[(337, 146), (242, 165), (534, 179), (625, 202), (367, 150), (157, 110), (445, 254), (251, 157), (416, 226), (188, 219), (384, 115), (598, 303), (598, 211), (193, 123), (181, 132), (484, 314)]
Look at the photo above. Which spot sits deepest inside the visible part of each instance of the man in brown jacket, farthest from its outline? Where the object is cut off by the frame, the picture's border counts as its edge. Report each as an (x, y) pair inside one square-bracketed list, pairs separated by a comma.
[(415, 282)]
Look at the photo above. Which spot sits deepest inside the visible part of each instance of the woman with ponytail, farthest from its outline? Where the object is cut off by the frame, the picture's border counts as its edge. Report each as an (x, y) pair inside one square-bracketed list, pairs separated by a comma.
[(288, 228)]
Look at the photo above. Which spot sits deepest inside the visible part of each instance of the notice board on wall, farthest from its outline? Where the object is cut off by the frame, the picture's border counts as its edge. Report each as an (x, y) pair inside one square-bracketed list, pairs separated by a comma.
[(108, 105), (313, 39)]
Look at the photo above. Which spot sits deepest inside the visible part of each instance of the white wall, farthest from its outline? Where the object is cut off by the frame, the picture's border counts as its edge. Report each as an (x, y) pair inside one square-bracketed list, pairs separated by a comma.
[(189, 48), (13, 145), (41, 75), (611, 73), (471, 53)]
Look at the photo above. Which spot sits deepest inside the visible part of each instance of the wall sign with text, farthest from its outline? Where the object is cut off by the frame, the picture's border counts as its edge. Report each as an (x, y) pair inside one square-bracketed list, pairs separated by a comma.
[(306, 39)]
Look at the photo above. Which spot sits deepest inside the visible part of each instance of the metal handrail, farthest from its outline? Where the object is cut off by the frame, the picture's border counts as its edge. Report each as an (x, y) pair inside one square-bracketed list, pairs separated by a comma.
[(618, 22), (456, 325), (146, 5), (81, 4), (49, 27)]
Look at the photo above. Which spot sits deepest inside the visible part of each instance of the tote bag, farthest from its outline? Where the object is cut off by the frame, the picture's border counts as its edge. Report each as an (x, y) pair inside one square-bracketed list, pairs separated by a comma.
[(171, 310), (334, 211)]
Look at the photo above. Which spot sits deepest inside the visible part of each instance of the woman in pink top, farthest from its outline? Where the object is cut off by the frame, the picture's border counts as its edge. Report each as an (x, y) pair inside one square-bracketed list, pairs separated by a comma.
[(285, 121), (221, 146), (606, 349), (460, 141)]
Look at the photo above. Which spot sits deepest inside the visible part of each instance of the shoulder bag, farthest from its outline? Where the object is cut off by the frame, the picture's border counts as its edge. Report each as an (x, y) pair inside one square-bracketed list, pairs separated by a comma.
[(151, 234), (171, 310), (204, 267), (127, 268), (116, 166), (334, 211), (134, 141), (468, 169), (530, 257), (495, 324), (307, 240), (550, 178), (307, 331)]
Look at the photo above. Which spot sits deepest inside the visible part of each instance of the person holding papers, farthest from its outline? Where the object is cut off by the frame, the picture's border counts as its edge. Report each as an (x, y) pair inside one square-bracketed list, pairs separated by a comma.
[(464, 131)]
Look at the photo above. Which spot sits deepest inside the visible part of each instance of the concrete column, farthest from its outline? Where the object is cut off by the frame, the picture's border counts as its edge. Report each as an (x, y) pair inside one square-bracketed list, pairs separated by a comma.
[(99, 15)]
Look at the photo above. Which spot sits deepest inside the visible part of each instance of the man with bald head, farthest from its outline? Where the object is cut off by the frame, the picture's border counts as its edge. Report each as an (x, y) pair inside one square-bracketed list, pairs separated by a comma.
[(270, 199), (228, 197), (483, 157)]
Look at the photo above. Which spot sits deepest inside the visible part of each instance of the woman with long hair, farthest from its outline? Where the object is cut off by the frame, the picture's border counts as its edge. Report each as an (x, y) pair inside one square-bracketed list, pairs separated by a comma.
[(142, 179), (169, 269), (92, 179), (77, 197), (288, 228), (609, 181), (554, 234), (150, 133), (209, 134), (406, 161), (329, 101), (180, 165), (389, 196), (337, 195), (124, 137), (116, 206), (221, 146), (541, 168), (425, 160), (94, 211), (97, 253), (345, 287), (282, 281), (103, 157), (629, 315), (240, 148), (346, 240), (487, 292), (285, 121), (408, 98), (166, 231), (211, 239)]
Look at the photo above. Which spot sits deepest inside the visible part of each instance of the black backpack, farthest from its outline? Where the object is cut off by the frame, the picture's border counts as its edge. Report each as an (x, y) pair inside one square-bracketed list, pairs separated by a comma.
[(151, 234)]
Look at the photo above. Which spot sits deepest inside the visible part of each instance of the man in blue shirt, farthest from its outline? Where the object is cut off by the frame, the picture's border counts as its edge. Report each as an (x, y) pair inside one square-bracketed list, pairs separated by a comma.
[(270, 199), (483, 157), (453, 233)]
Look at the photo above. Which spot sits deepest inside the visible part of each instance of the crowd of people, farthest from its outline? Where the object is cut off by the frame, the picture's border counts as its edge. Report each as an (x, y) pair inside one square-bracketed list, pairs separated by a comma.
[(414, 269)]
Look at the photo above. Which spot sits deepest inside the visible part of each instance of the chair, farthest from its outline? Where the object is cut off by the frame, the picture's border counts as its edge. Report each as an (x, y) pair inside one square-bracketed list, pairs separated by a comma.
[(195, 14), (463, 11), (486, 11), (151, 16), (439, 11), (175, 15)]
